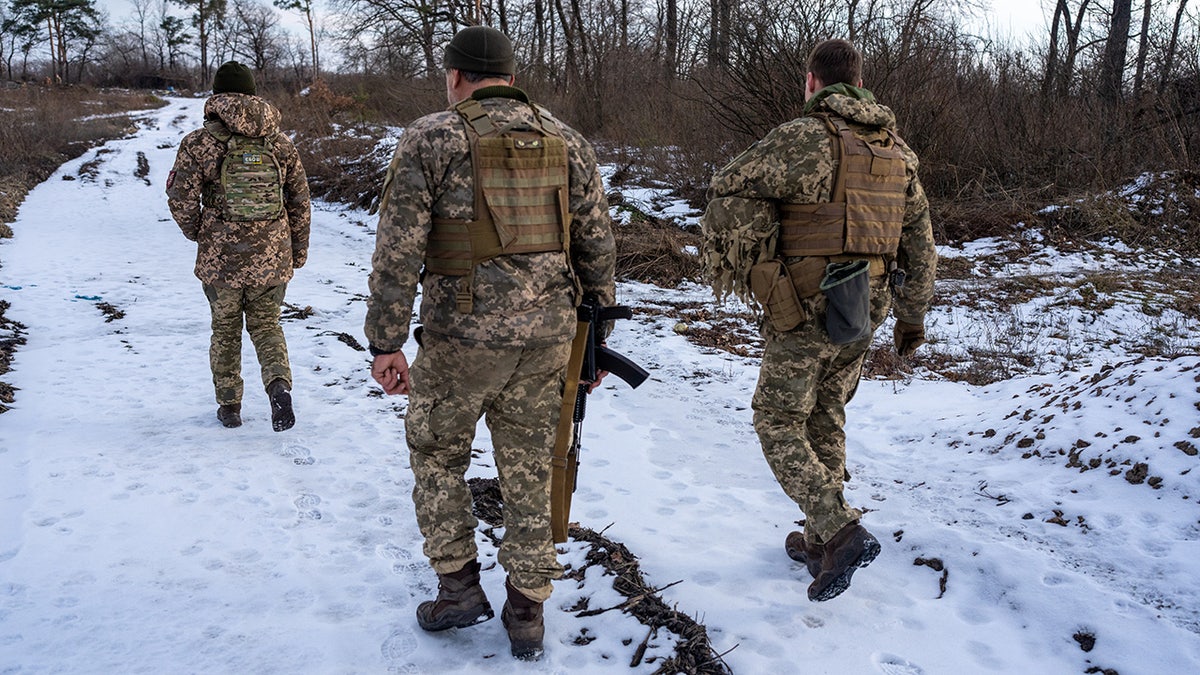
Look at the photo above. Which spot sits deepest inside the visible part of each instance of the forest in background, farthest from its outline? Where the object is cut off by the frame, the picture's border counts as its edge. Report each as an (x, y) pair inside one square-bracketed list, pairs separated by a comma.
[(671, 89)]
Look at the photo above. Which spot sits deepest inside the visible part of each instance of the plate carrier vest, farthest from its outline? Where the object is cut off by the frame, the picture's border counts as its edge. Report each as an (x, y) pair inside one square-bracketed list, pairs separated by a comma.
[(865, 212), (251, 183), (521, 179)]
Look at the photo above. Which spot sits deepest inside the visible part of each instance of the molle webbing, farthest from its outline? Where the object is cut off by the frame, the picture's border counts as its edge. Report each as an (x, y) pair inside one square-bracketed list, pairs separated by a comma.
[(865, 212), (521, 202)]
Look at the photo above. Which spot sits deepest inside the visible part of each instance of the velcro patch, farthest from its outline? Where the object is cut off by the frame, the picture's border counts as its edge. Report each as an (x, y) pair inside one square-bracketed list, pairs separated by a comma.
[(252, 158), (170, 179)]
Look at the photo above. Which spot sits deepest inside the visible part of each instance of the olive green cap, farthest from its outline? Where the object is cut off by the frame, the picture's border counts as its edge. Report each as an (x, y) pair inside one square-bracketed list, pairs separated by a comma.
[(481, 49), (235, 78)]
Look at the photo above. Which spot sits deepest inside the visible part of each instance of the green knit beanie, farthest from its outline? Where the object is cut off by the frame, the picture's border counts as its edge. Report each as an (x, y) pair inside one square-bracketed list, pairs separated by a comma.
[(481, 49), (233, 77)]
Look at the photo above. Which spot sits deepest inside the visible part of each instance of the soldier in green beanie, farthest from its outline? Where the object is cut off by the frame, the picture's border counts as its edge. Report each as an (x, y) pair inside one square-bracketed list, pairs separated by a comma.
[(239, 191), (498, 315)]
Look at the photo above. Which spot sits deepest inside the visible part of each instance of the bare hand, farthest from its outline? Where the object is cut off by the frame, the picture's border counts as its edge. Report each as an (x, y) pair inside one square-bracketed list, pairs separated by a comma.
[(591, 386), (391, 372)]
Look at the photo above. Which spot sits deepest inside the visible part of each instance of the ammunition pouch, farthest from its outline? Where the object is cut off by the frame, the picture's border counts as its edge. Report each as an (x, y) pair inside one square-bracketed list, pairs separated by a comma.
[(772, 287)]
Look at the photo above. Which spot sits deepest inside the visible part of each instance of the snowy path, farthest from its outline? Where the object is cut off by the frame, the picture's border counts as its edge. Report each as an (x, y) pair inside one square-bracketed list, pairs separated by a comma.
[(137, 535)]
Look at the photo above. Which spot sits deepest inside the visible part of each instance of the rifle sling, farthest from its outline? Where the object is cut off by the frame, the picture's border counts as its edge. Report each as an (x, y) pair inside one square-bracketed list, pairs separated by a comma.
[(562, 464)]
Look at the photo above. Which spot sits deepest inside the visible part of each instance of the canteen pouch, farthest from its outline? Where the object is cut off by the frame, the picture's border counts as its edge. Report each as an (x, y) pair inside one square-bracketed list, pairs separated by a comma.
[(847, 287), (772, 287)]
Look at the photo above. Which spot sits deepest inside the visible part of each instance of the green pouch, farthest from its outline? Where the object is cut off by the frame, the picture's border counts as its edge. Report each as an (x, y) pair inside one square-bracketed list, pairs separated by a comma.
[(847, 287)]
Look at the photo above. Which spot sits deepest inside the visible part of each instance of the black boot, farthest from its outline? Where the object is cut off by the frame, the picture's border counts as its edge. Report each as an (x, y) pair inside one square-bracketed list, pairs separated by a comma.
[(522, 619), (282, 416), (851, 548), (460, 601), (807, 554), (230, 415)]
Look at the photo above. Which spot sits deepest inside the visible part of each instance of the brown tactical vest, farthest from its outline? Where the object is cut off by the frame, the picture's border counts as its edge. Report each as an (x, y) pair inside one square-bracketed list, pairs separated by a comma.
[(865, 212), (521, 197)]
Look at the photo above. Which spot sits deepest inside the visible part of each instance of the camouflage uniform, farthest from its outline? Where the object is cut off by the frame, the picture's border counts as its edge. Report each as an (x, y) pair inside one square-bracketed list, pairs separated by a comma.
[(243, 266), (805, 380), (505, 360)]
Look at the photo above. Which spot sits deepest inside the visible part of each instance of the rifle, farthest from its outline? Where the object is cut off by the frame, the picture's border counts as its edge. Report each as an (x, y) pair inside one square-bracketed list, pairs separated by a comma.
[(588, 356)]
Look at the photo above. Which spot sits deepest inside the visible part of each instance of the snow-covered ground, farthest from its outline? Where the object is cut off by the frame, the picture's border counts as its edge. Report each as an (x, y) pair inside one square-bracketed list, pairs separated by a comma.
[(139, 536)]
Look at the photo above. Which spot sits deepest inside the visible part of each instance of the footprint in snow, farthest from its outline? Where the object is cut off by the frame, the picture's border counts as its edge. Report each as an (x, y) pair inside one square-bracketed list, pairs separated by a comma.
[(300, 455), (307, 504), (890, 664), (397, 648)]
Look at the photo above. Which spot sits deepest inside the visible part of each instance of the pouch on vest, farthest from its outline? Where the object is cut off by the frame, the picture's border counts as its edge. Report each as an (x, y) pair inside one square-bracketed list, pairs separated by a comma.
[(772, 286), (847, 286)]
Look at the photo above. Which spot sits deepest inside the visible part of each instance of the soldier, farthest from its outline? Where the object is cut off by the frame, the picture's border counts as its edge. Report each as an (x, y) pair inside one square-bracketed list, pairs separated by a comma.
[(238, 190), (503, 207), (822, 222)]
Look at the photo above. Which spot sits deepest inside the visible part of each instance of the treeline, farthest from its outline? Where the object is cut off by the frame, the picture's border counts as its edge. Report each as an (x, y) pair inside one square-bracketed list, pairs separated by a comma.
[(1108, 90)]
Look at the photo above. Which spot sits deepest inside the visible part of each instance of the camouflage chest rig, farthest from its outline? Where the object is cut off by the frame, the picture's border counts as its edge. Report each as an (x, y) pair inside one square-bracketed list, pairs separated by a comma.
[(251, 181), (521, 176), (862, 220)]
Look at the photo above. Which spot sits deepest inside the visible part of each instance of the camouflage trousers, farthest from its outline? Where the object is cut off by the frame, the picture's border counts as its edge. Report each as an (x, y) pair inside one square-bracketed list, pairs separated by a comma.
[(518, 391), (260, 307), (799, 407)]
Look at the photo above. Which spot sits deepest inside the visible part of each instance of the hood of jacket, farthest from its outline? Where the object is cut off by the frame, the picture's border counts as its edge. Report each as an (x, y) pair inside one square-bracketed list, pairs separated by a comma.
[(243, 114), (854, 104)]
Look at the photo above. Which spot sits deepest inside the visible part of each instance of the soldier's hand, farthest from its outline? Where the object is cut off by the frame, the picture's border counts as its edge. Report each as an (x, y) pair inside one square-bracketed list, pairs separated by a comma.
[(907, 337), (591, 386), (391, 372)]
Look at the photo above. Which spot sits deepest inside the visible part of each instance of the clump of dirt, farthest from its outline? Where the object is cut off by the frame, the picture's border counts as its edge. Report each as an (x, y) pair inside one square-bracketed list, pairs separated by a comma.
[(694, 654), (12, 335)]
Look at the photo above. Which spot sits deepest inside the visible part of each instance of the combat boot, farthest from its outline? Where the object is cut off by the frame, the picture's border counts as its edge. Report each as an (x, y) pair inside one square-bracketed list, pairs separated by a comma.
[(230, 415), (804, 553), (282, 416), (460, 601), (851, 548), (523, 620)]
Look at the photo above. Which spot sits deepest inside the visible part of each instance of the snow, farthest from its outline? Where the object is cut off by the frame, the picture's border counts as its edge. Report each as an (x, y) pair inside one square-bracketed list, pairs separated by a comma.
[(139, 536)]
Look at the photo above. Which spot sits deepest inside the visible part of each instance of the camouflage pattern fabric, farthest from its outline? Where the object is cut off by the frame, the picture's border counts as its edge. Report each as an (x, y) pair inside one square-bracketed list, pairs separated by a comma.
[(524, 299), (518, 391), (260, 307), (239, 254), (805, 380), (800, 412)]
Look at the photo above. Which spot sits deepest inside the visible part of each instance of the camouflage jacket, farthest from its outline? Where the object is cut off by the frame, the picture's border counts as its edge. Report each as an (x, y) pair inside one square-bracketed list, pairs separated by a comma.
[(521, 299), (239, 254), (794, 163)]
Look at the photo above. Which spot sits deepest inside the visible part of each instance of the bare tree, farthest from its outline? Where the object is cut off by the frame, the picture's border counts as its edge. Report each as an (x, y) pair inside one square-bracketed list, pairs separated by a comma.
[(1112, 64), (305, 7), (1172, 45)]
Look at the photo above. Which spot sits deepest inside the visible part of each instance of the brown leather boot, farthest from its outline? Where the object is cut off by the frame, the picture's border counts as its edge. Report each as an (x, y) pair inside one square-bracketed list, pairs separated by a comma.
[(282, 416), (230, 415), (460, 601), (804, 553), (522, 619), (851, 548)]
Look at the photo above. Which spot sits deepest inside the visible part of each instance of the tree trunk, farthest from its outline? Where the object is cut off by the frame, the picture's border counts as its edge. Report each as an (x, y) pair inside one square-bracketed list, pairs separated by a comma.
[(1112, 65), (1143, 48), (1049, 77), (1169, 59), (672, 41)]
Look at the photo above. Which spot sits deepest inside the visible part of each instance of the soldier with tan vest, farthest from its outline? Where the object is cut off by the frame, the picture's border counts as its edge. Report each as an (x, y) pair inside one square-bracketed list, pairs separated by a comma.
[(497, 210), (824, 225)]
